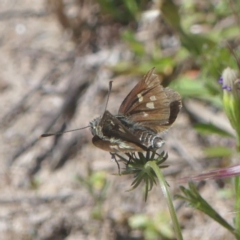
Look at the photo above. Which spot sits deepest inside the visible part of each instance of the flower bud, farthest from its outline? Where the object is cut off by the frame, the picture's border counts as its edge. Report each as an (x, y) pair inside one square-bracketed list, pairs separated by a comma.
[(231, 96)]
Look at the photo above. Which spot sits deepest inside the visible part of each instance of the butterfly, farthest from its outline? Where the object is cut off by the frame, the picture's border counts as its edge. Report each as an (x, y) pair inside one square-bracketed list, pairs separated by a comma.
[(148, 110)]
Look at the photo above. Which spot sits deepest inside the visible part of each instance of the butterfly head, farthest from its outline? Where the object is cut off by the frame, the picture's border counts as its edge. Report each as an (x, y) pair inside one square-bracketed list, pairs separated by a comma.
[(94, 126)]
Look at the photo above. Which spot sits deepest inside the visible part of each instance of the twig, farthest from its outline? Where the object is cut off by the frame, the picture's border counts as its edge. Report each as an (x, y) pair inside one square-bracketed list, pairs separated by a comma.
[(12, 114), (37, 199), (22, 14)]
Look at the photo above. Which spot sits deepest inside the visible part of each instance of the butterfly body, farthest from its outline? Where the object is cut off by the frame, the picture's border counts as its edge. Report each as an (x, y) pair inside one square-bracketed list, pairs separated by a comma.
[(119, 134), (148, 110)]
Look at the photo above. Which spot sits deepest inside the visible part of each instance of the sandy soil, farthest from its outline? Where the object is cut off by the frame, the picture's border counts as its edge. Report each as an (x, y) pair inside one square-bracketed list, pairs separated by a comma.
[(42, 195)]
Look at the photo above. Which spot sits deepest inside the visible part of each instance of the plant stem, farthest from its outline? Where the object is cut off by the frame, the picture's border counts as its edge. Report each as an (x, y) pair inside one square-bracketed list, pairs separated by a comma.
[(237, 204), (237, 191), (167, 196)]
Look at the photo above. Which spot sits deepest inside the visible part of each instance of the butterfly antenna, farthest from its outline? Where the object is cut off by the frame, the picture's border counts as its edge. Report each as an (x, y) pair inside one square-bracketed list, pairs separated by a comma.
[(109, 91), (60, 133)]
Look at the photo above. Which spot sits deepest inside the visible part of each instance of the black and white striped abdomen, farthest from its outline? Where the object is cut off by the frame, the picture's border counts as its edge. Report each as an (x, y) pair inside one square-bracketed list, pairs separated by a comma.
[(149, 139)]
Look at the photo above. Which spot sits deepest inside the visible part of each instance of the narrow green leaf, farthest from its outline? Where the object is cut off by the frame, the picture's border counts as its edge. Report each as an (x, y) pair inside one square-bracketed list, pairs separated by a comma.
[(213, 152), (209, 128), (188, 87)]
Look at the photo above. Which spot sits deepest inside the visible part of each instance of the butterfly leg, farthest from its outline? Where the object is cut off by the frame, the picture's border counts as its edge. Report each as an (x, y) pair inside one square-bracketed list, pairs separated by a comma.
[(113, 156), (131, 156)]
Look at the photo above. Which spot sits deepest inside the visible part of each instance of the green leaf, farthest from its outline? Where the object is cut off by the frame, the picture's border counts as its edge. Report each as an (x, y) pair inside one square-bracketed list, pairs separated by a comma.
[(213, 152), (193, 43), (132, 7), (195, 199), (209, 128), (136, 46), (139, 221), (188, 87)]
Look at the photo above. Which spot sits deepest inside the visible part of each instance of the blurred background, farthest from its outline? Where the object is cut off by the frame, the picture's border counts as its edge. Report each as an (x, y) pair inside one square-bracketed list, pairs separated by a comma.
[(57, 58)]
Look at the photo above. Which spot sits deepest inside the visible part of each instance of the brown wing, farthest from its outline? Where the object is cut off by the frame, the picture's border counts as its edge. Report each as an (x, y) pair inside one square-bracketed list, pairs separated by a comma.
[(175, 104), (150, 104), (114, 133), (111, 147), (174, 107)]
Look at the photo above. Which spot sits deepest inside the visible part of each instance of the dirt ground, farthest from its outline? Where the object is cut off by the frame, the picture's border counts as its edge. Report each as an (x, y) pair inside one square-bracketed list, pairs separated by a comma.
[(42, 192)]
